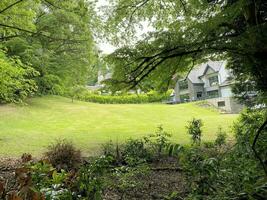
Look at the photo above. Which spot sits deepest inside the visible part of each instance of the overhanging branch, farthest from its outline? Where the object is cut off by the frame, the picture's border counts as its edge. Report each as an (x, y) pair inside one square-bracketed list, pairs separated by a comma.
[(39, 33), (262, 127), (10, 6)]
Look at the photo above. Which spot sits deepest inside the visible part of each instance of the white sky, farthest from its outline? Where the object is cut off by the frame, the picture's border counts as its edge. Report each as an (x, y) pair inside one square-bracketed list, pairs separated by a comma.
[(102, 2), (107, 48)]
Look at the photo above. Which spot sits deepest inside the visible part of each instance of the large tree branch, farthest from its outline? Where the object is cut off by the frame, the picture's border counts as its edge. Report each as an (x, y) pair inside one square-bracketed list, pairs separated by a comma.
[(150, 63), (136, 8), (17, 28), (51, 4), (182, 48), (9, 36), (10, 6), (154, 63), (148, 58), (262, 127), (143, 65), (39, 33), (135, 82)]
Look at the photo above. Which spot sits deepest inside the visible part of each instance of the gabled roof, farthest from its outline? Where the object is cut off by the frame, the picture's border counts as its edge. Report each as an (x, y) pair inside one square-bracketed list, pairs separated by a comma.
[(214, 65), (200, 70)]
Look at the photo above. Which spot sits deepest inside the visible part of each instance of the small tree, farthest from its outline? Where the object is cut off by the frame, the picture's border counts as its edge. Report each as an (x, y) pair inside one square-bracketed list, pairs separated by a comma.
[(221, 137), (158, 141), (194, 129), (76, 91)]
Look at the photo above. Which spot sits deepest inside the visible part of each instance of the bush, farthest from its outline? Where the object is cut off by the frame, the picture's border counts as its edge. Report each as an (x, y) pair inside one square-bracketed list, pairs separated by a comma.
[(89, 182), (50, 84), (63, 155), (158, 142), (76, 92), (229, 173), (113, 150), (194, 129), (16, 80), (109, 148), (135, 152), (174, 149), (200, 167), (246, 128), (221, 137), (89, 96), (128, 178)]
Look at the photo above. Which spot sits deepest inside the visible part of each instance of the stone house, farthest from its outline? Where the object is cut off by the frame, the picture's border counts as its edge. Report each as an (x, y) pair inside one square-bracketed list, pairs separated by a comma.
[(209, 81)]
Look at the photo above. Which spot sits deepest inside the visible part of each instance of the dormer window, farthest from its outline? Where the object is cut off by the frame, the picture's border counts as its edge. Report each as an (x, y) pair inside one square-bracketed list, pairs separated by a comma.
[(183, 85), (213, 80)]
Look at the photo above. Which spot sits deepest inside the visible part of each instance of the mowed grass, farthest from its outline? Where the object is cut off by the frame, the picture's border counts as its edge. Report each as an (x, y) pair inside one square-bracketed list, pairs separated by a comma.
[(33, 127)]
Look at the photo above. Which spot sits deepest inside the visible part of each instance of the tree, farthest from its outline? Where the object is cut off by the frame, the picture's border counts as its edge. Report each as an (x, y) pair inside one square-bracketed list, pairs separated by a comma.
[(16, 82), (54, 37), (17, 18), (194, 129), (190, 32)]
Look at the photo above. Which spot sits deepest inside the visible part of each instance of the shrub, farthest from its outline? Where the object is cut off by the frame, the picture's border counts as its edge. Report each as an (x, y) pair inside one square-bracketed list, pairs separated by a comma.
[(221, 137), (135, 152), (194, 129), (50, 183), (76, 92), (113, 150), (229, 173), (86, 95), (89, 183), (109, 148), (208, 144), (50, 84), (63, 155), (16, 80), (246, 128), (174, 149), (158, 142)]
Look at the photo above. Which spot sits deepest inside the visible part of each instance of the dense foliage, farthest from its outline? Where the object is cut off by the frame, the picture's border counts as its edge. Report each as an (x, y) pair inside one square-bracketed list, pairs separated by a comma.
[(230, 172), (47, 46), (53, 37), (16, 79), (185, 33), (83, 94)]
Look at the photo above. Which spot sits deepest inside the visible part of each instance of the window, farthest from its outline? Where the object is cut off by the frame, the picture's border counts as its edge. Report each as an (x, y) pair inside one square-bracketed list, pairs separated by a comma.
[(221, 103), (213, 94), (199, 95), (183, 85), (213, 80)]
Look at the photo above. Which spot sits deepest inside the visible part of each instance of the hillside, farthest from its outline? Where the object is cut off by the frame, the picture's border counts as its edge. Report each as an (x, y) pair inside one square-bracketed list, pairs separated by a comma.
[(32, 127)]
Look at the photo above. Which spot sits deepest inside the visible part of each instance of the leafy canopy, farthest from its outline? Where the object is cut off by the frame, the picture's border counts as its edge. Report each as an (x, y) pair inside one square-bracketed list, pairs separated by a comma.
[(15, 80), (54, 37), (186, 33)]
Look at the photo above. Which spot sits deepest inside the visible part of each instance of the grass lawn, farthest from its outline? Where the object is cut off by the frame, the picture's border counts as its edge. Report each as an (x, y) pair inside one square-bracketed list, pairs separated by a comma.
[(31, 128)]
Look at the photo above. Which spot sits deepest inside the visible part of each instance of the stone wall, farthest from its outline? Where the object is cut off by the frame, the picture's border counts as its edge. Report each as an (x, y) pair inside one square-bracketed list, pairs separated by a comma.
[(227, 104)]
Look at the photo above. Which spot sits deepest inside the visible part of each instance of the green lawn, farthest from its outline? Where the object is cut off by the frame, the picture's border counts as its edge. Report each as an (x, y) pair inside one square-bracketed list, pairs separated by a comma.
[(31, 128)]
